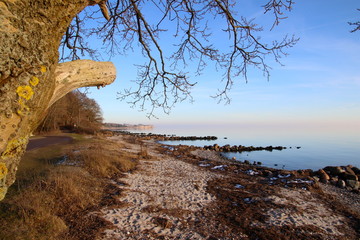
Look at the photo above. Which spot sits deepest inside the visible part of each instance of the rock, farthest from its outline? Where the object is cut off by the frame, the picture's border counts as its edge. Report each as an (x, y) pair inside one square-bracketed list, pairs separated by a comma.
[(234, 148), (305, 172), (356, 170), (334, 171), (240, 148), (349, 170), (324, 177), (323, 180), (353, 184), (208, 147), (334, 180), (347, 176), (246, 162), (226, 148), (341, 184), (268, 173)]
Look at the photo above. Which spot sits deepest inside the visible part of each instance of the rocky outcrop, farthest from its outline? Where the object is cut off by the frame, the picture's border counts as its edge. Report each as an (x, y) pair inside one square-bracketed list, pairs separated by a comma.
[(340, 176), (164, 137), (240, 148), (324, 177), (187, 138)]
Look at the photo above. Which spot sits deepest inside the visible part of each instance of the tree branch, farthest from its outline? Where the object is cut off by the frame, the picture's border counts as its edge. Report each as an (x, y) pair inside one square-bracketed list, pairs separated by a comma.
[(161, 80), (81, 73), (356, 24)]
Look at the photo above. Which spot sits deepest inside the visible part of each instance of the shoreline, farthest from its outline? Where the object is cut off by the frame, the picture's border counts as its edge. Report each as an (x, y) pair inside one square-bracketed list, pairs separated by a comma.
[(230, 200), (297, 153), (123, 187), (341, 176)]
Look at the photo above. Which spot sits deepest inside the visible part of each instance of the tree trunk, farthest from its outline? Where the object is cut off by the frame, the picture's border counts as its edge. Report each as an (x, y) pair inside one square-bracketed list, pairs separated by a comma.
[(30, 77)]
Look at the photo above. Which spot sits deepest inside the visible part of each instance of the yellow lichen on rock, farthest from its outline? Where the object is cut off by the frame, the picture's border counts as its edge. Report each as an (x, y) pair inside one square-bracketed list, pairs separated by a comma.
[(21, 112), (25, 92), (22, 104), (14, 146), (34, 81), (23, 107), (43, 69), (3, 191), (3, 171)]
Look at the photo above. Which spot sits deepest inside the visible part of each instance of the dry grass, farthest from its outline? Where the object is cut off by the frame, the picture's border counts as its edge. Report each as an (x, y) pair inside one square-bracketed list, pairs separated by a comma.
[(52, 201), (105, 159), (39, 211), (144, 154)]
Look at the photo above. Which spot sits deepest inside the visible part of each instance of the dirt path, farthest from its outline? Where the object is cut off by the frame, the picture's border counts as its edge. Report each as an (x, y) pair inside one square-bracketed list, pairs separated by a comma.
[(40, 142)]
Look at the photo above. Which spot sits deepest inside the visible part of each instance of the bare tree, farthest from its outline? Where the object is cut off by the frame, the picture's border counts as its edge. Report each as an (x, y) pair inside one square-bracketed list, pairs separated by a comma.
[(36, 34), (356, 24), (162, 81)]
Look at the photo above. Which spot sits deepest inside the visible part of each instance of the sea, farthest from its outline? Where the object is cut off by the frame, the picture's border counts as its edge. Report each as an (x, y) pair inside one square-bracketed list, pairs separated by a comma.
[(310, 147)]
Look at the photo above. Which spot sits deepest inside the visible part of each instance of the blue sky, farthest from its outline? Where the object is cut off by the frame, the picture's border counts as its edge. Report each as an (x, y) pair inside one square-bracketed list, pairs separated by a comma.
[(318, 84)]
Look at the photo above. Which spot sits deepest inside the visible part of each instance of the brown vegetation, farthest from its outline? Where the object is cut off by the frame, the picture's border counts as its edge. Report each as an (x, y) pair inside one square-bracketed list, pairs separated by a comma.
[(251, 204), (181, 192), (54, 194), (74, 111)]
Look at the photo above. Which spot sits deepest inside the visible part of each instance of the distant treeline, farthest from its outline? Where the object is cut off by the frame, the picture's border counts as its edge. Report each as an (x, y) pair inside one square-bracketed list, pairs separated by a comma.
[(74, 112)]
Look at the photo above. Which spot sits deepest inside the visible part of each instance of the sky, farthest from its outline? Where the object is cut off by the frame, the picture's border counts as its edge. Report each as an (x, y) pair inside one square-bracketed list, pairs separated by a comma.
[(318, 83)]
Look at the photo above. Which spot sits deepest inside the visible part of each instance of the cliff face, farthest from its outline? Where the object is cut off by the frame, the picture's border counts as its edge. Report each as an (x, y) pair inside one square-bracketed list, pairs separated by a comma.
[(117, 126), (141, 127), (30, 77)]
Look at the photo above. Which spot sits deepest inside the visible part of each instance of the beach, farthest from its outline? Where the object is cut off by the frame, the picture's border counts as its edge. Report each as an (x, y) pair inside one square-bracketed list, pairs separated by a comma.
[(125, 186), (185, 193)]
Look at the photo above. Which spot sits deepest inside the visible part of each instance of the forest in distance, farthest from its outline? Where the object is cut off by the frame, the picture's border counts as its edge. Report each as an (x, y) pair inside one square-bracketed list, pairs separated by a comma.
[(75, 112)]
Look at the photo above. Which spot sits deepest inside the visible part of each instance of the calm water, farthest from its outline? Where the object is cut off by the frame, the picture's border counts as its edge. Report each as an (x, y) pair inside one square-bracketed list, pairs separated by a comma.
[(320, 146)]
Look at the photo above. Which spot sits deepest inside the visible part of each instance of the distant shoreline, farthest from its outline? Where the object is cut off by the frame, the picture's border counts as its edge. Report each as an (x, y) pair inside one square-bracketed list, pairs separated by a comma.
[(116, 126), (318, 148)]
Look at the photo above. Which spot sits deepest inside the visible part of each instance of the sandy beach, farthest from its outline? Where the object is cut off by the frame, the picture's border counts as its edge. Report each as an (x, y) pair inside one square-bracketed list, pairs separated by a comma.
[(184, 193)]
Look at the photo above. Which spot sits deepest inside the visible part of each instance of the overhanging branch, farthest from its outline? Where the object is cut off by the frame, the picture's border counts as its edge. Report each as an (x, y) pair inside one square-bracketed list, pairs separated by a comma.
[(81, 73)]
